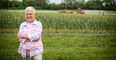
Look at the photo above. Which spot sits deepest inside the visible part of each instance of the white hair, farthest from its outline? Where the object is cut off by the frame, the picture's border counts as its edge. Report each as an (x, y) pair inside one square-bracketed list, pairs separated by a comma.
[(30, 8)]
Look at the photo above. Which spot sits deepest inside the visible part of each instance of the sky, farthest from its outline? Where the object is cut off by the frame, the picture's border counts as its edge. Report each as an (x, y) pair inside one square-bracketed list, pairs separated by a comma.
[(52, 1), (58, 1)]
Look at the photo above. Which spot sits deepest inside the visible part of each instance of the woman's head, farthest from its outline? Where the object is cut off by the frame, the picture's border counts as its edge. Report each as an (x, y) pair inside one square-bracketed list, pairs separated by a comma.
[(30, 14)]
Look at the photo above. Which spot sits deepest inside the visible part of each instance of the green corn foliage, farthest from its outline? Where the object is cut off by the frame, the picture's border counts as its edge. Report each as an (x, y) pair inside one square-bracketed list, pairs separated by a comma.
[(85, 23), (62, 22)]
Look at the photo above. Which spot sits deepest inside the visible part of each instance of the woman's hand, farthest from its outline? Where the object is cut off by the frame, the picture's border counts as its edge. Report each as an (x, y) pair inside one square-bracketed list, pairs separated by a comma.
[(20, 36)]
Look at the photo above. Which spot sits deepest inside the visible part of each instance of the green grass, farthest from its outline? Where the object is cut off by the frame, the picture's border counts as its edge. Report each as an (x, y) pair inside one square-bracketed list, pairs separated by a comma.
[(65, 47)]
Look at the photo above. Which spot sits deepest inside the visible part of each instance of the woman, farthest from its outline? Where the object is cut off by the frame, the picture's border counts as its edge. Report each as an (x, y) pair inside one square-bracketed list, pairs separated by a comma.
[(29, 36)]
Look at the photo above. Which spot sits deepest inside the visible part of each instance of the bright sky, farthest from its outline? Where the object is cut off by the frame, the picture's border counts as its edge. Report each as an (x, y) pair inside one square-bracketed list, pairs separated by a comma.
[(58, 1)]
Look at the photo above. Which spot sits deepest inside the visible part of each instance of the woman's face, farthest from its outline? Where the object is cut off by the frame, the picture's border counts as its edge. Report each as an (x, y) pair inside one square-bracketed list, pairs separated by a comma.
[(30, 16)]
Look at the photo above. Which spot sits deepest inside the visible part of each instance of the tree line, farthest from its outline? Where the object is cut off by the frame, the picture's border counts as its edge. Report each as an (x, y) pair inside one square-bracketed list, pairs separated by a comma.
[(66, 4)]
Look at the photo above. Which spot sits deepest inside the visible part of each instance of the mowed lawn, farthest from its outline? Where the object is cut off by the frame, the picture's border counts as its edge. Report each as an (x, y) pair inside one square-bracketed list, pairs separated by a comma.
[(65, 47)]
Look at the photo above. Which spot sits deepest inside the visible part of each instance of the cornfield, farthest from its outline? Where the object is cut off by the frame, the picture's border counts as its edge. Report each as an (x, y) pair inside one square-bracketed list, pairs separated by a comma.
[(61, 22)]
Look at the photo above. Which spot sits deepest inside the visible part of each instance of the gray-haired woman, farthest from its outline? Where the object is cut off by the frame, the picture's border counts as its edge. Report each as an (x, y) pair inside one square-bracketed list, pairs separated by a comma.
[(29, 36)]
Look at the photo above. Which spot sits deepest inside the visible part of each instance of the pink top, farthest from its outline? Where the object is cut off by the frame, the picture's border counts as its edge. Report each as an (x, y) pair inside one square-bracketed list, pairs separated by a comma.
[(34, 31)]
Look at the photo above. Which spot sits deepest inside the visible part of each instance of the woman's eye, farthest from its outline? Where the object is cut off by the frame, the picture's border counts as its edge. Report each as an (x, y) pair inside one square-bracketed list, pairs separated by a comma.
[(30, 14)]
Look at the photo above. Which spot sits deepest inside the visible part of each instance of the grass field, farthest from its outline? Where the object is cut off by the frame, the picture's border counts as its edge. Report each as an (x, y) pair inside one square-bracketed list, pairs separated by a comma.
[(65, 47), (65, 36)]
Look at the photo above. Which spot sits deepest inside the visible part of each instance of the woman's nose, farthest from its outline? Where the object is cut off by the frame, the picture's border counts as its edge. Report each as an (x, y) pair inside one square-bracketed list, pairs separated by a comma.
[(28, 15)]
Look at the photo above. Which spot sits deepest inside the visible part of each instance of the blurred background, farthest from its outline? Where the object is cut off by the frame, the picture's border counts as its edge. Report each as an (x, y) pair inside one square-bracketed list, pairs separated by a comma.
[(72, 29), (59, 4)]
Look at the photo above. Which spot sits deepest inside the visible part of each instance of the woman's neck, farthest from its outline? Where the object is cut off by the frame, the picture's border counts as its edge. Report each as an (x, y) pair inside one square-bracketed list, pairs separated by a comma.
[(30, 21)]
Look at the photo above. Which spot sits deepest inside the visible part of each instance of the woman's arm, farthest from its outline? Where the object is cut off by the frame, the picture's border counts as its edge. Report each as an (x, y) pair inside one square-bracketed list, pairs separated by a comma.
[(19, 36)]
